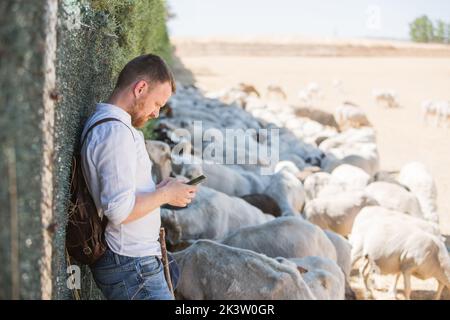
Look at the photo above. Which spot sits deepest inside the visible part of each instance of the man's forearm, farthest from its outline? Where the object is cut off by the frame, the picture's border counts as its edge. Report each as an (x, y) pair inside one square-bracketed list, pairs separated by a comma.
[(146, 203)]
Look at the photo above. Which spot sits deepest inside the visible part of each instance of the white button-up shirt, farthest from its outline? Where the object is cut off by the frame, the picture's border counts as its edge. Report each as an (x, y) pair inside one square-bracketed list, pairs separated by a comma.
[(116, 166)]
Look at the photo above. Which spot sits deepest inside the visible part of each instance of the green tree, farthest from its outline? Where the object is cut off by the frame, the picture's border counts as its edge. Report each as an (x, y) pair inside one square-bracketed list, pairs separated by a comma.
[(421, 29), (440, 33), (448, 34)]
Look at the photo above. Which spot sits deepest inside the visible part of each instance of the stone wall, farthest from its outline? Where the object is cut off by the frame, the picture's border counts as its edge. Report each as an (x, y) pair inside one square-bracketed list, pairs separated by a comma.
[(57, 58)]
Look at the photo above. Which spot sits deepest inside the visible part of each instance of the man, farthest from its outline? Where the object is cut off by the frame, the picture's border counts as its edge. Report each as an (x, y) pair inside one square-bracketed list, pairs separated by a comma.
[(118, 174)]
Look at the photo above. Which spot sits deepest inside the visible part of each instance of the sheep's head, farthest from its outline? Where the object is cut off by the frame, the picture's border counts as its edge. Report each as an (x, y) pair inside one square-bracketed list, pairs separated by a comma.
[(159, 153), (170, 222)]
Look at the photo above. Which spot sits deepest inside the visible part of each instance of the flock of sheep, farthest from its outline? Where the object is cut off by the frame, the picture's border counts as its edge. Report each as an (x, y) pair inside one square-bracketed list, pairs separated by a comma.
[(295, 234), (312, 94), (440, 110), (437, 109)]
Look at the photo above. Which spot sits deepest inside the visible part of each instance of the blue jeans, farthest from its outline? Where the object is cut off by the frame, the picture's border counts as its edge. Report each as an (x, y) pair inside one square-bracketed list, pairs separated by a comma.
[(129, 278)]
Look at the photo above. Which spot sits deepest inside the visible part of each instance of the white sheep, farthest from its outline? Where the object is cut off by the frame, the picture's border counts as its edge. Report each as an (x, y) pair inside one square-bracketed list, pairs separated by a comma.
[(210, 271), (394, 243), (350, 137), (314, 89), (287, 190), (343, 251), (160, 155), (428, 109), (344, 177), (184, 163), (288, 237), (309, 96), (315, 183), (291, 147), (236, 183), (305, 98), (323, 276), (386, 97), (211, 215), (275, 91), (349, 177), (287, 165), (283, 186), (338, 84), (353, 146), (309, 130), (363, 156), (443, 113), (351, 116), (337, 212), (392, 196), (420, 182)]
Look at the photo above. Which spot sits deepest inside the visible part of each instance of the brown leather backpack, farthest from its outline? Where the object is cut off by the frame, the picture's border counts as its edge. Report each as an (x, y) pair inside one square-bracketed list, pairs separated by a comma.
[(85, 231)]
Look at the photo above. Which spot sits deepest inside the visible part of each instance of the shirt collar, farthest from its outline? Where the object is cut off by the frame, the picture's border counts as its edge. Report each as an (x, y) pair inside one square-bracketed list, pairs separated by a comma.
[(114, 111)]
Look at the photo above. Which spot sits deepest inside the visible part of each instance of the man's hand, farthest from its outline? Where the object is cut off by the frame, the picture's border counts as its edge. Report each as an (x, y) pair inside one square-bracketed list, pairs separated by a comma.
[(178, 193), (172, 191)]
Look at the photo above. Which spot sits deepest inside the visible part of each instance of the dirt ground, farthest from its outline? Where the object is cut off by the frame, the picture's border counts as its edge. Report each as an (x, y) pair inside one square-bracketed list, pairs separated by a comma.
[(401, 134)]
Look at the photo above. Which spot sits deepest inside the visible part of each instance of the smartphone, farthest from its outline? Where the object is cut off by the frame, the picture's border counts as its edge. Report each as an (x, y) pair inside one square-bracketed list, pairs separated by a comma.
[(196, 180)]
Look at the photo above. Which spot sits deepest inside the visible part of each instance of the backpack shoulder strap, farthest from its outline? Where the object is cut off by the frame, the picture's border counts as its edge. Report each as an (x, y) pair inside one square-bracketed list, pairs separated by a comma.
[(100, 122)]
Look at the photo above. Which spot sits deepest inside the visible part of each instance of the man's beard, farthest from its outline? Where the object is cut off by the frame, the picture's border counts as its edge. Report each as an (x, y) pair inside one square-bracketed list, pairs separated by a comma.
[(138, 120)]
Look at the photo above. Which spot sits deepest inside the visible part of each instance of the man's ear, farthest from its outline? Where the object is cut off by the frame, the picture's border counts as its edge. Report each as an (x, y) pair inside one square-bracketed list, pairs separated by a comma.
[(140, 88)]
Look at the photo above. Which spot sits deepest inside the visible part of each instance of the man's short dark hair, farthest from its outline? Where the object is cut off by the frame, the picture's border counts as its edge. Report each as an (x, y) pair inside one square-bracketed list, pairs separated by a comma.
[(149, 67)]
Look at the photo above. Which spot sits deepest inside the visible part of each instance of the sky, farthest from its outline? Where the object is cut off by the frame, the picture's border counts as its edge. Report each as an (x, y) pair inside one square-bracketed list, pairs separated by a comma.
[(320, 18)]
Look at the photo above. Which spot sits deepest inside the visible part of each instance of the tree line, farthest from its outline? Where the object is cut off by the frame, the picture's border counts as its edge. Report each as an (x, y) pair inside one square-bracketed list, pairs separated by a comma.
[(422, 29)]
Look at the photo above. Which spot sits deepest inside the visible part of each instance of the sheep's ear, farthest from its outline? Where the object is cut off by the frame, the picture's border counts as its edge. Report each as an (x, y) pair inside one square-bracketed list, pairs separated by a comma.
[(302, 270)]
